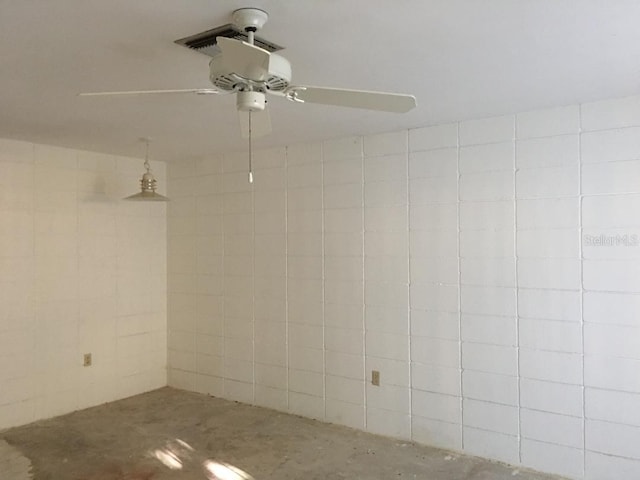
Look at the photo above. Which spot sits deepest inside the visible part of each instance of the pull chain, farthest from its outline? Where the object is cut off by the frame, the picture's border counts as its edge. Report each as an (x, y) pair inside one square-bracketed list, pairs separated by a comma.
[(250, 152), (250, 33)]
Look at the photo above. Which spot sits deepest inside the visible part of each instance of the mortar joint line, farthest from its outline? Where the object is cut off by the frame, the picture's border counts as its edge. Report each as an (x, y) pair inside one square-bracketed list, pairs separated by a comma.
[(458, 251), (408, 244), (323, 259), (253, 290), (364, 283), (224, 271), (516, 283), (286, 273), (581, 254)]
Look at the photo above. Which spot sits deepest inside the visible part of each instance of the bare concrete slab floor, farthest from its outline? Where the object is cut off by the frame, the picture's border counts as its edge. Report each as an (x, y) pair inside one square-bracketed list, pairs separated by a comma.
[(171, 434)]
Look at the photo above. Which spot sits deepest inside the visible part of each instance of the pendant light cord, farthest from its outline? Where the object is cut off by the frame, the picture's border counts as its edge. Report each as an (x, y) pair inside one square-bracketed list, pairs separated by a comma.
[(146, 156)]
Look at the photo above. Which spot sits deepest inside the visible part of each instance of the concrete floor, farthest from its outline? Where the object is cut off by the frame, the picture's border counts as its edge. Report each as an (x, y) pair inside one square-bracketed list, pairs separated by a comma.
[(171, 434)]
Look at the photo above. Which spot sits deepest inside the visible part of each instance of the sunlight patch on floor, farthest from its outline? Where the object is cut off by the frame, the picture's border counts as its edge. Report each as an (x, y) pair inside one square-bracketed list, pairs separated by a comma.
[(13, 464)]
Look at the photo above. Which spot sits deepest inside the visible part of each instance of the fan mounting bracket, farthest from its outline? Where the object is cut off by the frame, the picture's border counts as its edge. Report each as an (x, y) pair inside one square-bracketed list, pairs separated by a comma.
[(250, 19)]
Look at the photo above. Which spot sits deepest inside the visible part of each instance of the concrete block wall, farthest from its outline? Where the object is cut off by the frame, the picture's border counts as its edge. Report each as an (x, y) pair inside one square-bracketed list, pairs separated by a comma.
[(80, 272), (488, 269)]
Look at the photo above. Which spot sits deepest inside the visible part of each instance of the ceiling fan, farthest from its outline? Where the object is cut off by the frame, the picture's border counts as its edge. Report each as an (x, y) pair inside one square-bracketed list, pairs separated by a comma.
[(251, 71)]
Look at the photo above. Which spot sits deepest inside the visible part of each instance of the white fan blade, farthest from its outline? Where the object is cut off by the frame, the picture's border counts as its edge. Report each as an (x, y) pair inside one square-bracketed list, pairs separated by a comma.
[(385, 102), (244, 59), (260, 123), (197, 91)]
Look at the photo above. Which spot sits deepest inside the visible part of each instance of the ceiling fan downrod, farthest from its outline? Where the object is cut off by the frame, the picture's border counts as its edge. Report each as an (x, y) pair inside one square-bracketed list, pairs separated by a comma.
[(250, 20), (251, 35)]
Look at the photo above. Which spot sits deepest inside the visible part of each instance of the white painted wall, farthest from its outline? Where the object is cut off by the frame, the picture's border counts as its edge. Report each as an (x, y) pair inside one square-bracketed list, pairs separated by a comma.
[(465, 262), (80, 272), (458, 260)]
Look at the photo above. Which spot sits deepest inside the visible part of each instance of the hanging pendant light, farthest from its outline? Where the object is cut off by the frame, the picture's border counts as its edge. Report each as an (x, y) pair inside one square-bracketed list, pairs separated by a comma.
[(147, 183)]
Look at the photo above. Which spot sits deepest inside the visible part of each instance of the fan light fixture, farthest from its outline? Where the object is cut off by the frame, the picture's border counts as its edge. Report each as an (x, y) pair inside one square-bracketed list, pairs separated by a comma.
[(147, 183)]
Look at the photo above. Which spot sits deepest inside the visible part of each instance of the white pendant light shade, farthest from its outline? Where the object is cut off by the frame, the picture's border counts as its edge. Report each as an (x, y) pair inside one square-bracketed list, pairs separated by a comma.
[(148, 184)]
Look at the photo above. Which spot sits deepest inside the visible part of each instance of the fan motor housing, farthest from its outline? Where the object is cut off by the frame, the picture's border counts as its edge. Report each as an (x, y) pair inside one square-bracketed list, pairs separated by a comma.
[(277, 80)]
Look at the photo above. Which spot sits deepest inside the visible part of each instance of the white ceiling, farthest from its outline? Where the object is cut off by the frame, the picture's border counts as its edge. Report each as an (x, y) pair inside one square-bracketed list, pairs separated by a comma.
[(460, 58)]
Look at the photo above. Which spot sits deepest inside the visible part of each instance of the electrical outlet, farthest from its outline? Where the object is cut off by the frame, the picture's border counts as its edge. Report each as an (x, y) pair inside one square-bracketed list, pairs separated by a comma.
[(375, 378), (87, 360)]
